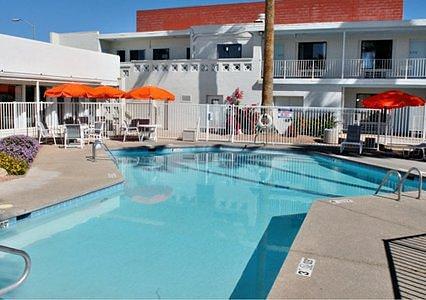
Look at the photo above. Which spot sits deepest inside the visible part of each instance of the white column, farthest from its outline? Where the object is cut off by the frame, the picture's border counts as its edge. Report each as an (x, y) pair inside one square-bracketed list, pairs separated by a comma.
[(37, 99), (343, 54)]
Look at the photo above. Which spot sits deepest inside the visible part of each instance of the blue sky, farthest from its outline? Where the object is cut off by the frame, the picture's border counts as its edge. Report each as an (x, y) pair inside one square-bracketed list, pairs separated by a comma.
[(106, 15)]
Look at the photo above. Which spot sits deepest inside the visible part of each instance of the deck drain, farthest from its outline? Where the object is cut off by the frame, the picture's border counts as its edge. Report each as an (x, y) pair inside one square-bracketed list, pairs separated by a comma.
[(306, 267)]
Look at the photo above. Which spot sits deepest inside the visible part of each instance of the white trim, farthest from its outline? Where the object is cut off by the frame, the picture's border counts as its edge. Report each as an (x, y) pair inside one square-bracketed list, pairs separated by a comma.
[(352, 26)]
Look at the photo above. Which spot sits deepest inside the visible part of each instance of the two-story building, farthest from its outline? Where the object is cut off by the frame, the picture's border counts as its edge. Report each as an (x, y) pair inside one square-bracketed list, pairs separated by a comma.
[(328, 53)]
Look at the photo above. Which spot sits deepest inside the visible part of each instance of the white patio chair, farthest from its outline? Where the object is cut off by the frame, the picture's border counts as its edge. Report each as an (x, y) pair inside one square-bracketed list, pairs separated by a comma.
[(45, 133), (130, 128), (96, 132), (74, 133), (353, 138)]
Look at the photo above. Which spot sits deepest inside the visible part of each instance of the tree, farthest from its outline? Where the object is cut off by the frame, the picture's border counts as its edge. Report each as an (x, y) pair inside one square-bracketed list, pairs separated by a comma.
[(268, 54)]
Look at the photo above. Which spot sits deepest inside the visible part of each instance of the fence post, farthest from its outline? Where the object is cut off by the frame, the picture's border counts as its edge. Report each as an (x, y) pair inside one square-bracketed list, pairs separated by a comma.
[(207, 122), (232, 123), (379, 123), (15, 115)]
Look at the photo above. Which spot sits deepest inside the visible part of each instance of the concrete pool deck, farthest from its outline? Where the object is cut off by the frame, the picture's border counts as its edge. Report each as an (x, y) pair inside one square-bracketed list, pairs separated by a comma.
[(347, 240), (55, 176)]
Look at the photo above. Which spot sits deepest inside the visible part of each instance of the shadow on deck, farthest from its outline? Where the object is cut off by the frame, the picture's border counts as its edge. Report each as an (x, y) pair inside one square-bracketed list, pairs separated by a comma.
[(407, 264)]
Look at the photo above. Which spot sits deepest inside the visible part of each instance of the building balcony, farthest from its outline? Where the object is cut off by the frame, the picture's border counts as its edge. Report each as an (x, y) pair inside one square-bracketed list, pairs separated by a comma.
[(411, 68)]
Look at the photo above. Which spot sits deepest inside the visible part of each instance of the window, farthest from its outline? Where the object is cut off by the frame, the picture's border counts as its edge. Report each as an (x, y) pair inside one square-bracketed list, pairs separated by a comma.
[(278, 51), (376, 54), (186, 98), (313, 51), (188, 53), (122, 54), (229, 51), (287, 101), (137, 55), (161, 54)]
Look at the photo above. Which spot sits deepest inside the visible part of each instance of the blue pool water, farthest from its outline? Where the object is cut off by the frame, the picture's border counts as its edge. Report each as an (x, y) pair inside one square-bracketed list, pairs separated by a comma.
[(191, 223)]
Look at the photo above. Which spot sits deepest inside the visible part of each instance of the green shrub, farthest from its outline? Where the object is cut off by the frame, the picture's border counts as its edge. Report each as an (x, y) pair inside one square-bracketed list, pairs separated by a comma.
[(12, 165)]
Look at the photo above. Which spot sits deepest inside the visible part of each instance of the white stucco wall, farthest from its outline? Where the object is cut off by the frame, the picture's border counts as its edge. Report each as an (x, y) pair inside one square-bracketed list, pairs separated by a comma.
[(33, 59), (314, 95), (291, 43), (200, 80), (84, 40), (206, 38), (177, 46)]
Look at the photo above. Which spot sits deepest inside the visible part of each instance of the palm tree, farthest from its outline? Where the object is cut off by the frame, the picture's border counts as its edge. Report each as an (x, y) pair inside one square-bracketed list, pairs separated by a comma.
[(268, 54)]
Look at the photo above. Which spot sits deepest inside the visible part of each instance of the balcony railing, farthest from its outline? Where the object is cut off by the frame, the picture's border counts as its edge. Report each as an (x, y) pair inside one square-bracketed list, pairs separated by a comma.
[(411, 68)]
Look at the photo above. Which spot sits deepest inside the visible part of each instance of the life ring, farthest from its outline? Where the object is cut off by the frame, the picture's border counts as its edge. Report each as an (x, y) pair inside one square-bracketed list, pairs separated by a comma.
[(261, 122)]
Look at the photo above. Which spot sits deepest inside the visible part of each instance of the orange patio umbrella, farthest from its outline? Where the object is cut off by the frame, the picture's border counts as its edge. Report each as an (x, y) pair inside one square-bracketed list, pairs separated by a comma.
[(150, 92), (69, 90), (106, 92), (392, 99)]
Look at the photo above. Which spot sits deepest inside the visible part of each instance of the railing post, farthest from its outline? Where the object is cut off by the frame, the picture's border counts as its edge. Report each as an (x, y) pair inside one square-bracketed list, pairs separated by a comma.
[(406, 68), (313, 69), (232, 122), (207, 122), (374, 68), (285, 68)]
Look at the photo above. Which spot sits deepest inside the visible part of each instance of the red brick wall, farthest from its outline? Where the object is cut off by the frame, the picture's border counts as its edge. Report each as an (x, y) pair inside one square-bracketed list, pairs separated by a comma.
[(287, 12)]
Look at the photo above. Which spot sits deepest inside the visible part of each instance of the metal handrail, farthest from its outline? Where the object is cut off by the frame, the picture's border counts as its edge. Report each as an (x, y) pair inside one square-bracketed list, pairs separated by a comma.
[(386, 178), (402, 181), (105, 147), (110, 153), (24, 275)]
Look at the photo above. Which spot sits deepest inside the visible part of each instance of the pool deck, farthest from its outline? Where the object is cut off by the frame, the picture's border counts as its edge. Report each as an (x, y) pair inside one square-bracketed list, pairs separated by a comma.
[(346, 239), (56, 175), (348, 242)]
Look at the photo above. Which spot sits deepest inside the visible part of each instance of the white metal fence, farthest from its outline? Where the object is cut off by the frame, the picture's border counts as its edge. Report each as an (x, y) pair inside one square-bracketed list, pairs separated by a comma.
[(290, 125)]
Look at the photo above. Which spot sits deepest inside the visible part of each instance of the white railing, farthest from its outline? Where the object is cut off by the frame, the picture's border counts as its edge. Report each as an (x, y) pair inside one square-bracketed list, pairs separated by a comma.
[(410, 68), (290, 125)]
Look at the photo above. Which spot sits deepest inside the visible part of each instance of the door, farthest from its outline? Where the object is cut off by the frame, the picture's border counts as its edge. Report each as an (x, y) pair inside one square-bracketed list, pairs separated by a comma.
[(417, 63)]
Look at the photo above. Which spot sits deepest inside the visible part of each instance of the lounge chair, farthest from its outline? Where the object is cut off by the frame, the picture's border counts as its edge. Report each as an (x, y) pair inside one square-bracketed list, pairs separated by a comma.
[(45, 133), (95, 132), (353, 138), (415, 151), (74, 133)]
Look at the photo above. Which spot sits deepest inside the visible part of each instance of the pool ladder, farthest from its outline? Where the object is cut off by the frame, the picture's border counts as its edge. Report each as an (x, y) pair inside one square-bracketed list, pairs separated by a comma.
[(401, 181), (24, 275), (105, 147)]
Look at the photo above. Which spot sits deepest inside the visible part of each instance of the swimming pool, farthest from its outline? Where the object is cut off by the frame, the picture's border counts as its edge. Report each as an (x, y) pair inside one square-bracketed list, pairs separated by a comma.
[(187, 223)]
